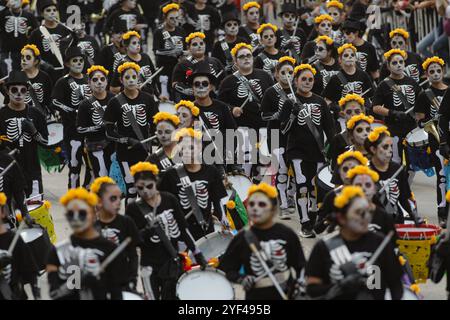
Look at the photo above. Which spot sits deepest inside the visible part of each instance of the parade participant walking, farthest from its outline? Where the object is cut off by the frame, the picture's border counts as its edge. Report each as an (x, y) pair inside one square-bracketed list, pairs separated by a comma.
[(127, 119), (248, 31), (90, 122), (346, 278), (188, 113), (306, 121), (326, 65), (162, 226), (115, 227), (87, 249), (323, 27), (336, 10), (87, 43), (267, 59), (287, 40), (265, 243), (111, 55), (129, 13)]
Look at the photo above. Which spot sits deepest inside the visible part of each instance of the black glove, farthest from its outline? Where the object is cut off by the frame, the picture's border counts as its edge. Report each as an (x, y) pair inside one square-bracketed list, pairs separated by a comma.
[(444, 150), (398, 115), (29, 221), (200, 259), (247, 282), (133, 143), (28, 126), (88, 280), (352, 281), (5, 259), (443, 248)]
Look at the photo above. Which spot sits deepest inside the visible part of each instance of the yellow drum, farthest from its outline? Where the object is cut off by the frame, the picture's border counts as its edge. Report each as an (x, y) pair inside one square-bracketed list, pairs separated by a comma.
[(39, 211)]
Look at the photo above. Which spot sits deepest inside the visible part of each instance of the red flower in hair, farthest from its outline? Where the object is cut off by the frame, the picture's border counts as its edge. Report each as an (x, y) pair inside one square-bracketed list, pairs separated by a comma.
[(188, 73)]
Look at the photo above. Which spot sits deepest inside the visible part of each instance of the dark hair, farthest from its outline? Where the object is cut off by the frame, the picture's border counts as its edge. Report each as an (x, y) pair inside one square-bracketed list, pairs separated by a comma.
[(145, 175), (126, 42), (368, 144), (103, 187), (279, 65)]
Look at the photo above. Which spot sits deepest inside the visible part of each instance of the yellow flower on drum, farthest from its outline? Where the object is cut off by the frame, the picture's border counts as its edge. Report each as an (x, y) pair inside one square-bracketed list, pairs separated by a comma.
[(142, 166), (231, 205), (47, 204), (347, 194), (263, 187), (58, 150), (3, 199)]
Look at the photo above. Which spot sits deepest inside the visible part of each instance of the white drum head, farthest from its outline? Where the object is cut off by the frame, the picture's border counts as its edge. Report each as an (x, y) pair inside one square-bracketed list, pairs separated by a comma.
[(130, 296), (29, 235), (214, 244), (55, 133), (167, 107), (407, 294), (325, 177), (417, 138), (34, 206), (209, 284), (241, 184)]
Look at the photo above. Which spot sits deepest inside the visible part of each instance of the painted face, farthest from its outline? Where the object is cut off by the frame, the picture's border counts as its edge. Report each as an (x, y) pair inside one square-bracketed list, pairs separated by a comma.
[(335, 13), (348, 57), (361, 132), (321, 50), (190, 150), (288, 19), (324, 28), (79, 215), (172, 18), (201, 87), (110, 201), (398, 42), (305, 81), (164, 131), (350, 35), (17, 93), (197, 47), (435, 72), (14, 4), (351, 109), (259, 208), (244, 59), (130, 4), (130, 79), (76, 64), (28, 60), (146, 188), (285, 74), (268, 38), (232, 28), (358, 216), (397, 64), (345, 167), (50, 13), (384, 150), (98, 82), (366, 183), (134, 47), (253, 15), (80, 29), (186, 118)]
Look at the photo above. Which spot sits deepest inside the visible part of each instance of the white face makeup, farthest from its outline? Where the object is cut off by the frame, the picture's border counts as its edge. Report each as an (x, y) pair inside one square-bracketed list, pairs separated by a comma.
[(28, 61), (259, 208), (321, 50), (79, 215), (134, 47), (172, 18), (384, 150), (231, 28), (435, 73), (110, 201), (335, 13), (130, 79), (14, 4), (146, 188), (398, 42), (397, 64), (288, 19), (268, 38), (253, 15), (358, 216), (197, 47), (348, 57), (186, 118), (17, 93), (201, 87), (351, 109), (190, 150), (98, 82), (345, 167), (305, 81), (285, 74), (50, 13), (360, 133), (164, 131), (366, 183), (324, 28), (244, 60), (76, 64)]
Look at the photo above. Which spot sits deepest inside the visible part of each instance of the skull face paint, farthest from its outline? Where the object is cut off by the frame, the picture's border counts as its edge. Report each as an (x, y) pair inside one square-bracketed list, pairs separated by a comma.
[(14, 4), (345, 167), (285, 74), (134, 46), (186, 117), (17, 93), (305, 81), (146, 188), (201, 87), (259, 208), (360, 133), (321, 51), (397, 64), (76, 65), (268, 38), (172, 19), (435, 73), (79, 215), (130, 79), (110, 200), (50, 13), (232, 28), (351, 108), (253, 15), (197, 48), (348, 57), (28, 60), (164, 132), (384, 150), (244, 60), (288, 20), (324, 28), (335, 13), (358, 216), (190, 150), (398, 42), (98, 82), (366, 183)]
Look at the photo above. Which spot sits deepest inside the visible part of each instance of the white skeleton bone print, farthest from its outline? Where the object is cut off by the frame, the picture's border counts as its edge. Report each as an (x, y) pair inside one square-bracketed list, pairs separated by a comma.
[(168, 224), (78, 93), (362, 60), (38, 89), (408, 91), (392, 192), (434, 109), (296, 43), (130, 20), (97, 118), (213, 120), (204, 22), (358, 258), (145, 73), (6, 272), (243, 92), (118, 58), (274, 250), (269, 65), (326, 76), (16, 25), (352, 87), (14, 131), (178, 41), (138, 112), (46, 41), (1, 180), (111, 234), (412, 71), (200, 193), (309, 110), (87, 48)]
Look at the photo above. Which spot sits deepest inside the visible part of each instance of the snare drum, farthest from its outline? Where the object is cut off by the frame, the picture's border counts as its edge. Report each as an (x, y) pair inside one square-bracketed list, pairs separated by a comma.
[(55, 133), (167, 107), (417, 147), (39, 244), (130, 296), (241, 184), (323, 183), (208, 284), (215, 244), (42, 216)]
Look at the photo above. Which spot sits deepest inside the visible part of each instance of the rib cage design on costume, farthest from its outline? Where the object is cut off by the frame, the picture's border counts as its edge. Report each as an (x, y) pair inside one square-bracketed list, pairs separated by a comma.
[(130, 20), (96, 117), (412, 71), (358, 258), (38, 90), (352, 87), (326, 76), (213, 120), (392, 192), (408, 92), (274, 250), (168, 223), (138, 112), (433, 109), (177, 40), (200, 192), (6, 272), (16, 25), (14, 131), (111, 234), (362, 60), (309, 110), (296, 45), (86, 48), (204, 22), (243, 93), (46, 41)]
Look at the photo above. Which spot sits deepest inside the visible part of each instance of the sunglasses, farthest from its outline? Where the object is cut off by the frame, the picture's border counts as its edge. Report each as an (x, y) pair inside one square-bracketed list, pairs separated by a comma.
[(15, 90), (148, 186), (307, 79), (245, 56), (359, 130), (199, 84), (102, 79), (82, 214), (260, 204), (197, 44)]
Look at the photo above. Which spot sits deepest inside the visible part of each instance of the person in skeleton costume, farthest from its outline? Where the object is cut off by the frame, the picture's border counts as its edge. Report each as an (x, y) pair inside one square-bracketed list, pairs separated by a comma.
[(87, 43), (158, 215), (188, 113), (393, 99), (267, 59), (127, 119), (323, 27), (248, 31), (398, 198), (291, 38), (116, 227), (366, 55), (197, 186), (427, 112), (398, 39), (277, 244), (84, 252), (337, 265), (25, 127), (67, 95), (327, 63), (271, 105), (90, 122), (197, 52), (336, 10), (15, 27), (168, 46), (306, 120), (112, 54), (128, 13), (225, 6), (17, 268), (39, 81)]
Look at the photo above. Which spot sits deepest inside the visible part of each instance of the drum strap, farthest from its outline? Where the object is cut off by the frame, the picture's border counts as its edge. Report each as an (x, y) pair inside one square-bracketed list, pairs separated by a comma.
[(253, 36), (248, 86), (165, 162), (34, 98), (337, 249), (94, 102), (397, 90), (252, 239), (226, 51), (432, 97), (265, 59), (191, 59), (342, 78)]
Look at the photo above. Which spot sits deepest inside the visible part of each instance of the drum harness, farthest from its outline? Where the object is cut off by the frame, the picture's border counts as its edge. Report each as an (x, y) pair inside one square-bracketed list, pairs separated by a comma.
[(391, 84), (248, 86)]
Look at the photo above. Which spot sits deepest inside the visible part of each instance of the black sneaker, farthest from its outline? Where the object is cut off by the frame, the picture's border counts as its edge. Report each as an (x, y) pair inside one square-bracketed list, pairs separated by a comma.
[(442, 222), (307, 231)]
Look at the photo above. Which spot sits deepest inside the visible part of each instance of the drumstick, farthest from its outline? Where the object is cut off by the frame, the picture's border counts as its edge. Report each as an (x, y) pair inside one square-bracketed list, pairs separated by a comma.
[(151, 77), (245, 102), (114, 254), (145, 141), (423, 82), (390, 179), (16, 238), (379, 250)]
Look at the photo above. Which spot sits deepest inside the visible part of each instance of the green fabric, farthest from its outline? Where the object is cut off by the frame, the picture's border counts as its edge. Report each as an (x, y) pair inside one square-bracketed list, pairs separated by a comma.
[(240, 208), (50, 160)]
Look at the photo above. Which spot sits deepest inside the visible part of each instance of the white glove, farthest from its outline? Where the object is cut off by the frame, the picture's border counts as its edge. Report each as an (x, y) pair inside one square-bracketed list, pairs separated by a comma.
[(89, 262)]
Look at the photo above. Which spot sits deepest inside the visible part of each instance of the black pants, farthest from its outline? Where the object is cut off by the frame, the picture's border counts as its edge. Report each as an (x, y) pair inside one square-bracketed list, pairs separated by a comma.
[(101, 161), (75, 151), (126, 161), (437, 162), (284, 184)]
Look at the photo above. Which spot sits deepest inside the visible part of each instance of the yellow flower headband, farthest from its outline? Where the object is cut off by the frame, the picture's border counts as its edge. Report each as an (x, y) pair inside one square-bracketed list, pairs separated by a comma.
[(325, 39), (287, 59), (190, 105), (390, 53), (351, 97), (4, 138), (188, 132), (128, 65), (431, 60), (3, 199), (302, 67), (97, 184), (345, 46), (352, 155), (166, 116), (263, 187), (375, 134), (347, 194), (363, 170), (130, 34), (193, 35), (265, 26), (335, 4), (170, 7), (251, 4), (144, 167), (97, 68), (360, 117), (79, 194), (25, 2), (31, 47), (400, 32), (322, 17), (240, 46)]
